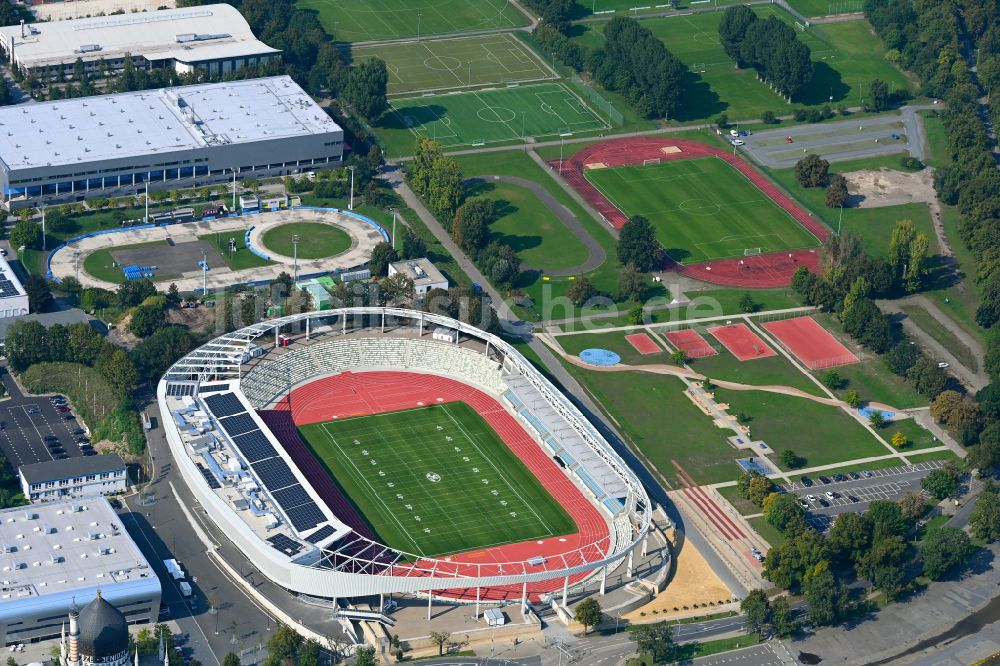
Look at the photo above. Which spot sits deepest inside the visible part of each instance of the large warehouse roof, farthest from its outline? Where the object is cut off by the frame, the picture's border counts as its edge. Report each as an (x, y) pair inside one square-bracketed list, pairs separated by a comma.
[(56, 547), (190, 34), (134, 124)]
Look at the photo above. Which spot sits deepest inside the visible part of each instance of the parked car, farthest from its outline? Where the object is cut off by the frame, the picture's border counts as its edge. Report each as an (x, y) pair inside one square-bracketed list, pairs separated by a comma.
[(69, 417), (50, 438), (89, 452), (867, 474), (804, 504), (62, 410), (839, 477), (824, 480), (811, 498), (855, 476), (806, 481), (852, 499), (34, 410), (823, 502), (737, 142)]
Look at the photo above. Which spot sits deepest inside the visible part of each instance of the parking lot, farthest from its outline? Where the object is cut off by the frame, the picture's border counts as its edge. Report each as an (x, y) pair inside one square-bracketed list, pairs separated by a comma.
[(27, 421), (854, 491)]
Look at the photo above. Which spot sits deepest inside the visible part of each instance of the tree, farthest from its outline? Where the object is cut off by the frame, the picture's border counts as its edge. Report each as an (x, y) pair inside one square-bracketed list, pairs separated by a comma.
[(984, 520), (887, 520), (757, 610), (678, 357), (26, 233), (945, 549), (983, 456), (588, 613), (366, 88), (790, 459), (470, 228), (231, 660), (876, 419), (927, 377), (413, 246), (831, 379), (747, 303), (899, 440), (637, 244), (365, 656), (782, 510), (866, 322), (784, 622), (581, 291), (878, 96), (440, 639), (146, 318), (852, 398), (382, 255), (812, 171), (732, 31), (941, 483), (759, 489), (850, 537), (632, 283), (39, 294), (656, 640), (823, 595), (912, 505), (837, 194), (882, 565), (945, 405)]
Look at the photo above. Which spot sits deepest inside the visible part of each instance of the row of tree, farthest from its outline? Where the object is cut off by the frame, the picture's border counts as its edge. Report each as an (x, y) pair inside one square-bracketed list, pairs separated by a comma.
[(770, 46)]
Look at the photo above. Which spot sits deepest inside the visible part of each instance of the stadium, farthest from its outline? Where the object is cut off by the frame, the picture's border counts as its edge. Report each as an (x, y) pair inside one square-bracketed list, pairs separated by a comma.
[(368, 450)]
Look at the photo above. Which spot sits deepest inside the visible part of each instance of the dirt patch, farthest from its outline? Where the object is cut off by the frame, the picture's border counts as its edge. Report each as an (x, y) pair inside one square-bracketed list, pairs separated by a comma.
[(194, 319), (885, 187)]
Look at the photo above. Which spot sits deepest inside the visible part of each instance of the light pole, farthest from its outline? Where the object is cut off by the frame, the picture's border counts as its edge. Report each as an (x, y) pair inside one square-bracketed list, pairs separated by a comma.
[(212, 610), (393, 228), (234, 189), (43, 228), (295, 245), (350, 205)]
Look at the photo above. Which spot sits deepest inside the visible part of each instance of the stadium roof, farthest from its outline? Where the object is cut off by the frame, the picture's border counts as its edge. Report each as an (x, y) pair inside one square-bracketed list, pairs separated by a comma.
[(70, 468), (135, 124), (189, 34), (54, 547)]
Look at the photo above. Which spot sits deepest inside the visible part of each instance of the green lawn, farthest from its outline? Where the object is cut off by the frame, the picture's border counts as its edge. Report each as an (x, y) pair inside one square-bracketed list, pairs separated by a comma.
[(744, 506), (495, 116), (919, 437), (937, 140), (703, 209), (637, 401), (616, 342), (317, 240), (444, 64), (826, 7), (936, 455), (847, 56), (768, 531), (101, 265), (769, 371), (362, 20), (860, 467), (242, 258), (436, 480), (524, 223), (930, 325), (821, 434)]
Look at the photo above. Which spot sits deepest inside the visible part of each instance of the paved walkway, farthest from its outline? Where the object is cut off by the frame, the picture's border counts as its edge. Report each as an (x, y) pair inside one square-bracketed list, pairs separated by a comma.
[(597, 254)]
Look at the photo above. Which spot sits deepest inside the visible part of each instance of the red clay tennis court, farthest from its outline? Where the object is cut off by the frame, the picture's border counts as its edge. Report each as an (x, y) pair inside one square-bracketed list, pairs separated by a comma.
[(691, 343), (643, 343), (742, 342), (811, 343)]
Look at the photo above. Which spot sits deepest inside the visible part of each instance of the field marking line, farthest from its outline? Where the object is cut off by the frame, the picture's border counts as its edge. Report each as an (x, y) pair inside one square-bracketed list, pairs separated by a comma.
[(375, 494), (438, 58), (512, 131), (509, 486)]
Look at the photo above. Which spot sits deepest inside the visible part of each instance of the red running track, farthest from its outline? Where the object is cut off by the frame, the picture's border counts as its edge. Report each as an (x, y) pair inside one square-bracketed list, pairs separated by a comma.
[(643, 343), (811, 343), (357, 394), (766, 270), (742, 342)]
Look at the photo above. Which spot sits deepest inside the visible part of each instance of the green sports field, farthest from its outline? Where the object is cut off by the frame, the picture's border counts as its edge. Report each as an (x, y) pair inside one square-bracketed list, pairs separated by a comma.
[(361, 20), (436, 480), (491, 116), (446, 64), (703, 209), (317, 240)]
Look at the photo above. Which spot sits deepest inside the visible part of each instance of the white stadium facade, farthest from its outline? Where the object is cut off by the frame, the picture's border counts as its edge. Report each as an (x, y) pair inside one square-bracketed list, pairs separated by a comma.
[(212, 402)]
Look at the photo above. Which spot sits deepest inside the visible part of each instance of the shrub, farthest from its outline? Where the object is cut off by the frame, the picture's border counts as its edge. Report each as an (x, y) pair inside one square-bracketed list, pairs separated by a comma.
[(768, 118)]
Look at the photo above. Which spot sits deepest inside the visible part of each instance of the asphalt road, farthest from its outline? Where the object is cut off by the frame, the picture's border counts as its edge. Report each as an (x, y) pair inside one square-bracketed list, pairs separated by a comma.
[(23, 428)]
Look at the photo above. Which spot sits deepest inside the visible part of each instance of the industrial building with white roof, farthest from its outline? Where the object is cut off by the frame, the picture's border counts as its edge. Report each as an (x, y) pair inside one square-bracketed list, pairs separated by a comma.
[(59, 552), (113, 145), (213, 38)]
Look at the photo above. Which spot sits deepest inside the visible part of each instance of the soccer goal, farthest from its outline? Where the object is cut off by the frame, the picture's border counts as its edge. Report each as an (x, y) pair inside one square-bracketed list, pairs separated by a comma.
[(654, 160), (751, 251)]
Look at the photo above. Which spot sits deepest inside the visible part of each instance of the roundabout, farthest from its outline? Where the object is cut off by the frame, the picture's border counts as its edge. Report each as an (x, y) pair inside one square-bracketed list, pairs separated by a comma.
[(345, 241)]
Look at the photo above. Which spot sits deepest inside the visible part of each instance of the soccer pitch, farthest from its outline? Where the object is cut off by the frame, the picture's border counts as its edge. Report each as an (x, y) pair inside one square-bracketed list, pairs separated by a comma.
[(445, 64), (492, 116), (702, 209), (361, 20), (436, 480)]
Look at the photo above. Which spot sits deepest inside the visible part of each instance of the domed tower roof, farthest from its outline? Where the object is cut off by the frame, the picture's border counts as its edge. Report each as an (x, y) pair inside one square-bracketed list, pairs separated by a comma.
[(103, 630)]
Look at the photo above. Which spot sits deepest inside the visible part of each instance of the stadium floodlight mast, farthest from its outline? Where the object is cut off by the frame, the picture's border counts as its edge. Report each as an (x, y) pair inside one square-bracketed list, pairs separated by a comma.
[(350, 204), (393, 210), (234, 189), (296, 239), (42, 209), (145, 220)]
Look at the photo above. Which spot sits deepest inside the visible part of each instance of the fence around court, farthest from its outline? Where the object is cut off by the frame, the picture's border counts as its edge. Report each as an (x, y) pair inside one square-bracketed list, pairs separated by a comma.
[(614, 115)]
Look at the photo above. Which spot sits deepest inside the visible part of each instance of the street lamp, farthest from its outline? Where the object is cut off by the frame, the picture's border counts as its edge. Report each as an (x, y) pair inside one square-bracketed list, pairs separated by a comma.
[(393, 228), (296, 239), (350, 205), (212, 610)]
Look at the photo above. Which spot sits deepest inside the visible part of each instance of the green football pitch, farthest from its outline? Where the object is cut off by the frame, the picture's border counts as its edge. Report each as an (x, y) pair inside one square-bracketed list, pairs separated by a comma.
[(497, 115), (362, 20), (702, 209), (436, 480), (445, 64)]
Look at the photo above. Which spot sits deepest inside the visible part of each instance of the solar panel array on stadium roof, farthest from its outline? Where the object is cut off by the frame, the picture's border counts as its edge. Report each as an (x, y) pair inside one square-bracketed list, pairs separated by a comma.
[(273, 472), (320, 534), (180, 390), (284, 544)]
